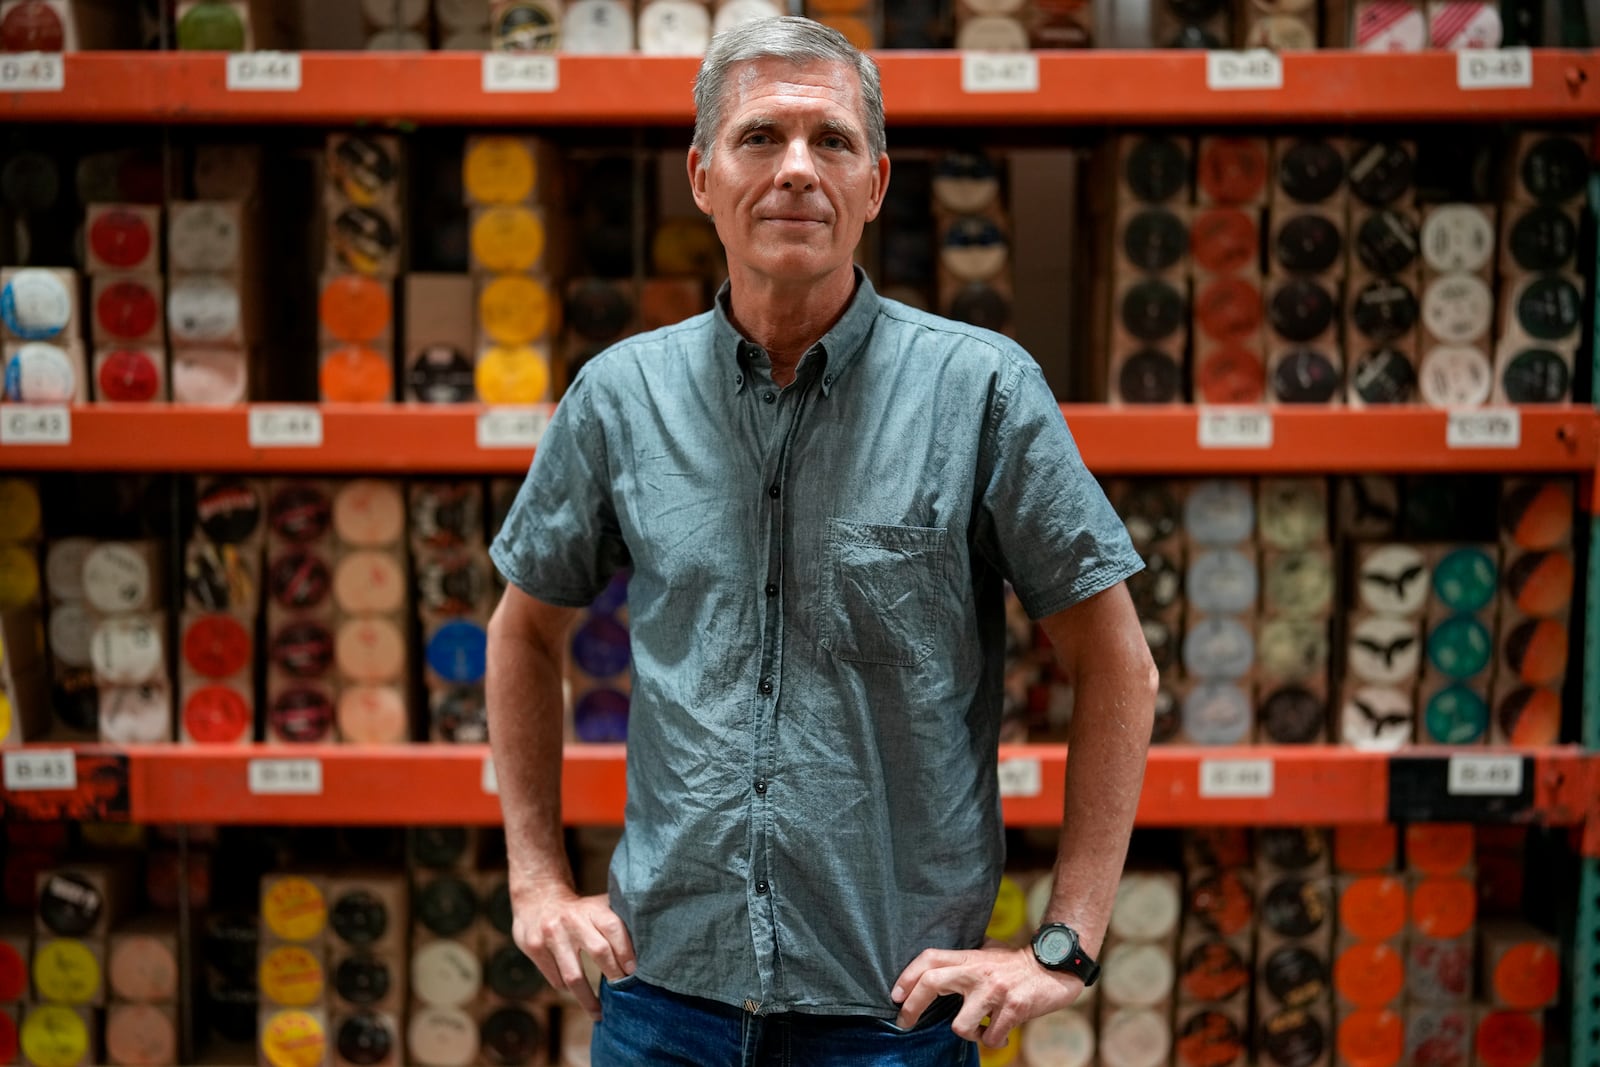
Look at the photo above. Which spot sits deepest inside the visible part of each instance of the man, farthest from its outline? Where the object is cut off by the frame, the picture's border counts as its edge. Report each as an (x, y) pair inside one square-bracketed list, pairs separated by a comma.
[(820, 493)]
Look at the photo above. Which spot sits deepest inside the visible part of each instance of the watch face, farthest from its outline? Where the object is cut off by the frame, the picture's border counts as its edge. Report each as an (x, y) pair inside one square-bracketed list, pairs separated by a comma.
[(1056, 944)]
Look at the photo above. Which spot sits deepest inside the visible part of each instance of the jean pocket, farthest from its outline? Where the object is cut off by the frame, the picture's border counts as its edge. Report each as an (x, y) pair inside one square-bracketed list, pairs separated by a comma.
[(941, 1012), (623, 984), (881, 592)]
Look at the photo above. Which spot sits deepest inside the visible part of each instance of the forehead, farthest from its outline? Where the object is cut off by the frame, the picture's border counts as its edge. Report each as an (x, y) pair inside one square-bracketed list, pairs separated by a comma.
[(761, 85)]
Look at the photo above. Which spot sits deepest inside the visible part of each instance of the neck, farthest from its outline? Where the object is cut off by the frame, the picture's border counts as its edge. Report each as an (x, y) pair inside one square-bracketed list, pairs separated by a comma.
[(787, 318)]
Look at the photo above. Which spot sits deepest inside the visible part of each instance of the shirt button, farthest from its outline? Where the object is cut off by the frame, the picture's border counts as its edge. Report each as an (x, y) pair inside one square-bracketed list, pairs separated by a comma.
[(761, 888), (772, 490), (827, 379), (738, 379), (769, 396), (761, 787), (766, 685), (772, 588)]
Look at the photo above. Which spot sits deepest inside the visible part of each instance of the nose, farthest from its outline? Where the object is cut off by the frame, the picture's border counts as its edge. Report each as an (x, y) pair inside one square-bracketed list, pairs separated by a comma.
[(797, 171)]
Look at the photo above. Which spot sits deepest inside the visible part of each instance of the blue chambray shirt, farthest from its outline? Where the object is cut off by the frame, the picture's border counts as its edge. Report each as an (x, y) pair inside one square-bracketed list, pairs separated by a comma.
[(816, 610)]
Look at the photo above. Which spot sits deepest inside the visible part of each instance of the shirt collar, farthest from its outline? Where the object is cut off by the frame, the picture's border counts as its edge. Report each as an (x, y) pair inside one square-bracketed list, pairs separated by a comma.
[(839, 346)]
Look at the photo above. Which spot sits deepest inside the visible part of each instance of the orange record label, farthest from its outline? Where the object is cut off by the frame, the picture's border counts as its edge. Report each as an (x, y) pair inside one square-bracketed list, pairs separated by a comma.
[(512, 375), (1530, 716), (515, 309), (1373, 909), (1369, 974), (499, 170), (508, 239), (1229, 309), (1371, 1038), (356, 374), (1542, 583), (1444, 908), (1364, 849), (1527, 976), (1440, 848), (355, 307)]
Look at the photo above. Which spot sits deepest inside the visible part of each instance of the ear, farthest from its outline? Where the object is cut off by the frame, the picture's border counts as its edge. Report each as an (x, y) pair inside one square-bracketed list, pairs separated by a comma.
[(697, 181), (880, 187)]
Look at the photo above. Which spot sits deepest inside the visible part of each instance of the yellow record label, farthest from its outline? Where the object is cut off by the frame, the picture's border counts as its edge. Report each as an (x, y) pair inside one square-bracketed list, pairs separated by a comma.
[(513, 375), (54, 1036), (294, 1039), (499, 170), (294, 909), (19, 510), (514, 309), (1004, 1055), (508, 239), (66, 972), (1010, 911), (292, 976), (19, 576), (686, 247), (5, 717)]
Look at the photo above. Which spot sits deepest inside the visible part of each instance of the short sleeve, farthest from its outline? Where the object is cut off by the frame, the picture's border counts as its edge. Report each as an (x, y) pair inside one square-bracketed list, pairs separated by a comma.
[(561, 542), (1043, 521)]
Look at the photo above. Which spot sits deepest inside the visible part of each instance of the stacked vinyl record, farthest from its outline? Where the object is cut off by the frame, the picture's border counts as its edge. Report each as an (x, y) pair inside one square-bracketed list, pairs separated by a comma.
[(364, 255), (454, 598), (122, 251), (24, 668), (1382, 306), (221, 601), (974, 240), (1149, 291), (372, 604)]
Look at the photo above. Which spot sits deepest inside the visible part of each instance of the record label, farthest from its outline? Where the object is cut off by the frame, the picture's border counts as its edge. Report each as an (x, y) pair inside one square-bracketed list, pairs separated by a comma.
[(1384, 377), (1150, 376), (1381, 172), (1304, 376), (1310, 171), (1156, 169), (1387, 242)]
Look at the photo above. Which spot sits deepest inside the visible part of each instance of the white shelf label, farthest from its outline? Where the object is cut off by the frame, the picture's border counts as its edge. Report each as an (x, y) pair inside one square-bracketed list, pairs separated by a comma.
[(54, 768), (285, 777), (1235, 778), (999, 72), (1235, 428), (508, 72), (1494, 68), (32, 72), (491, 781), (1255, 69), (1484, 428), (1021, 778), (1484, 776), (264, 72), (512, 427), (35, 424), (285, 426)]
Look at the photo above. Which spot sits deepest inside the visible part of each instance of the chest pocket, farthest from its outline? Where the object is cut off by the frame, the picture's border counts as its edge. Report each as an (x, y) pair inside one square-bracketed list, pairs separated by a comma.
[(880, 592)]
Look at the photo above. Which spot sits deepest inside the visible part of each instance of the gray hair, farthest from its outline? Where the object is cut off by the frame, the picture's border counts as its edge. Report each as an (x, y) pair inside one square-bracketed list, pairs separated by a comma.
[(797, 40)]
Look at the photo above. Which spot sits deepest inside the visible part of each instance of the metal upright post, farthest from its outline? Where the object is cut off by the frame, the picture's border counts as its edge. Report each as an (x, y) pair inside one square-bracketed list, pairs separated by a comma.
[(1586, 947)]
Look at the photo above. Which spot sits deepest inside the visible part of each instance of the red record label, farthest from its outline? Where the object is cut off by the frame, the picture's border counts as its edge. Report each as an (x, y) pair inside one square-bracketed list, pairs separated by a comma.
[(1229, 309), (1231, 376), (216, 646), (32, 27), (216, 714), (1233, 170), (1224, 240), (127, 309), (128, 376), (120, 239)]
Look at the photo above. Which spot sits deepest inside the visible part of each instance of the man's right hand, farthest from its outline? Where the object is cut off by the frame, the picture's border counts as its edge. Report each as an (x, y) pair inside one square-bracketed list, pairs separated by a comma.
[(556, 925)]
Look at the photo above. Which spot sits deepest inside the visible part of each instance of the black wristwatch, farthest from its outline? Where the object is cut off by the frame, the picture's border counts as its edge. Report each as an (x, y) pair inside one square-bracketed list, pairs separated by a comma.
[(1057, 947)]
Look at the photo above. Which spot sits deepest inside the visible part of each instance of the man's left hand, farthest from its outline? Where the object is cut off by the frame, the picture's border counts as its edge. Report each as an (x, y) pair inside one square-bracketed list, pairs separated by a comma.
[(1006, 984)]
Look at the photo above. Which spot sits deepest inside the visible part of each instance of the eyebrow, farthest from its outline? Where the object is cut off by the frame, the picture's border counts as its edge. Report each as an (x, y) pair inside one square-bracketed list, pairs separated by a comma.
[(763, 122)]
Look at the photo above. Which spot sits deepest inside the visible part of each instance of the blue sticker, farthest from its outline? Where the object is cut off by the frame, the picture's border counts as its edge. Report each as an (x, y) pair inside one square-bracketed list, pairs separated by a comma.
[(14, 378), (458, 652), (8, 312), (600, 648)]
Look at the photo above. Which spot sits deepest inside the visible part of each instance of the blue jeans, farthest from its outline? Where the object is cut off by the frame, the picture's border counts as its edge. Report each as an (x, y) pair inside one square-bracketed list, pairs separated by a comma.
[(647, 1026)]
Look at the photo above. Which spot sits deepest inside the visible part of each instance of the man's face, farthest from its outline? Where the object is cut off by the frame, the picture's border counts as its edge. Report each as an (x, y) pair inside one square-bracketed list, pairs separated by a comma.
[(791, 181)]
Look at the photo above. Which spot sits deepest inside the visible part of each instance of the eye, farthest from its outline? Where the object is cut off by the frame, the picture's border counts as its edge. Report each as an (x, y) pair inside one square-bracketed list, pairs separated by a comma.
[(758, 139), (833, 140)]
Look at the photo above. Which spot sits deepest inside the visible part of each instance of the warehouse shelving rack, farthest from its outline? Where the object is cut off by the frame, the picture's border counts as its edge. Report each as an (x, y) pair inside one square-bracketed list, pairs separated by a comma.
[(1260, 785)]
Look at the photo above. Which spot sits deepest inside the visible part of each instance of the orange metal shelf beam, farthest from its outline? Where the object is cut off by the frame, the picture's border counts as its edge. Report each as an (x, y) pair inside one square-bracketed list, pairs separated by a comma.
[(920, 88), (436, 784), (411, 439)]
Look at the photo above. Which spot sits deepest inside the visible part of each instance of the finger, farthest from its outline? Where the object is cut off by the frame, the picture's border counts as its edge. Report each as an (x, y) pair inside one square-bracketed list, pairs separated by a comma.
[(933, 984), (929, 958), (573, 979), (616, 935), (968, 1022), (1000, 1026)]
